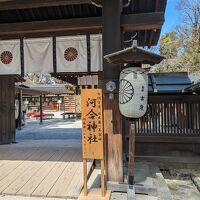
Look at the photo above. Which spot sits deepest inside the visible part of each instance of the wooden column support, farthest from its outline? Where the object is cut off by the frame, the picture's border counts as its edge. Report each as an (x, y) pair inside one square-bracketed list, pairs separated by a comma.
[(131, 162), (112, 117), (85, 179), (85, 190), (41, 116), (20, 109), (102, 178), (7, 109)]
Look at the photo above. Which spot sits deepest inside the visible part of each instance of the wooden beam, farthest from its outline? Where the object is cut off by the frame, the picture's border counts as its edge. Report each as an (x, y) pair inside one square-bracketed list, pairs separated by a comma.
[(112, 41), (77, 24), (144, 21), (23, 4)]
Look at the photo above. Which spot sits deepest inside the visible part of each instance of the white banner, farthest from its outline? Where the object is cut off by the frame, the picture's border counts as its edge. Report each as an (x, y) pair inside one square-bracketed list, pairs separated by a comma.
[(38, 55), (71, 54), (96, 53), (10, 57)]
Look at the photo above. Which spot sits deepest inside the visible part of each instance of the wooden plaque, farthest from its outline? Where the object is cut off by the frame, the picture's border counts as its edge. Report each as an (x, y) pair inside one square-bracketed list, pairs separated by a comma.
[(92, 124)]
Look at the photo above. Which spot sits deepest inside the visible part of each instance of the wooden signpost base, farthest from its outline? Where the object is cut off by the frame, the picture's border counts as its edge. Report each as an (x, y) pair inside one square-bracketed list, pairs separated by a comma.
[(96, 193)]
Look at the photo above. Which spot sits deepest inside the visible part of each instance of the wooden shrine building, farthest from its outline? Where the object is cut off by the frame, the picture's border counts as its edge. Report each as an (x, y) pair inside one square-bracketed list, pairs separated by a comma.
[(119, 21)]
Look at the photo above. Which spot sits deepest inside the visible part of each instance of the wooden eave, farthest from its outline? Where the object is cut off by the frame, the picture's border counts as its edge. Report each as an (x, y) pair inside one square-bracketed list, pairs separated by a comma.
[(43, 89), (134, 55), (131, 22), (35, 18), (21, 4), (29, 91)]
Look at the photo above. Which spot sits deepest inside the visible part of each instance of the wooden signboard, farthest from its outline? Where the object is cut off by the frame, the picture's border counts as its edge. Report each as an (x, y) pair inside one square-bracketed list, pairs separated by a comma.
[(92, 136), (92, 124)]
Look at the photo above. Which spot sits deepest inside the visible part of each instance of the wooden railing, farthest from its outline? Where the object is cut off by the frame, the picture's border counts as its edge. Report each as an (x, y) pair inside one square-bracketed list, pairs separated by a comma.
[(171, 115)]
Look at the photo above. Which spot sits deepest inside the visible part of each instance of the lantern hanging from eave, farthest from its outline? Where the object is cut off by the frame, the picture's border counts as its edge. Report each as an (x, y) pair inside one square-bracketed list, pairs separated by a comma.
[(133, 92)]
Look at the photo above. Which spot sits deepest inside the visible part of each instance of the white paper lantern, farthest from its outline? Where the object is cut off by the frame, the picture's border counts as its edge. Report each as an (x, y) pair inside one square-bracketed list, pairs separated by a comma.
[(133, 92)]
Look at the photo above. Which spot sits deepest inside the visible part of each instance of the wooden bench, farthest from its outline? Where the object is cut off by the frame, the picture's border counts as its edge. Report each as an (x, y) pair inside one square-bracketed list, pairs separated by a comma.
[(49, 115), (44, 115), (69, 114), (78, 115)]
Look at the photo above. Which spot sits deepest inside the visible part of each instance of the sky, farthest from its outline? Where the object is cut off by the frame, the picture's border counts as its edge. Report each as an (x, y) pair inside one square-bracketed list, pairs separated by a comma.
[(172, 16)]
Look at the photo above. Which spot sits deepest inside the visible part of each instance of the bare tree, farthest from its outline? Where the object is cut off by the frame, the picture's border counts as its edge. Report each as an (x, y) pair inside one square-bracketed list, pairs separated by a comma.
[(188, 40), (190, 26)]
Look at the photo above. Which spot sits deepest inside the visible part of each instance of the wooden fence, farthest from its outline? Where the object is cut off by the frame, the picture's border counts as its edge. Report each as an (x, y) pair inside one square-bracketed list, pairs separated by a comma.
[(171, 115), (170, 126)]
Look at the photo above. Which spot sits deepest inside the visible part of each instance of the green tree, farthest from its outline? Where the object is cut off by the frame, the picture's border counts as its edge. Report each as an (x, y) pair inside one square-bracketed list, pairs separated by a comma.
[(169, 45)]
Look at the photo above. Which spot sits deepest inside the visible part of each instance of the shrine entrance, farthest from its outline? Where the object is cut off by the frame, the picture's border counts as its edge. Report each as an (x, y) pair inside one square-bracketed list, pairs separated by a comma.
[(45, 159), (45, 155), (68, 39)]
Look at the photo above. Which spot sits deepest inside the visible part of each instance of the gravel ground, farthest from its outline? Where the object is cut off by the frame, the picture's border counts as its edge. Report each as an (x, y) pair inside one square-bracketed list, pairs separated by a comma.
[(68, 129)]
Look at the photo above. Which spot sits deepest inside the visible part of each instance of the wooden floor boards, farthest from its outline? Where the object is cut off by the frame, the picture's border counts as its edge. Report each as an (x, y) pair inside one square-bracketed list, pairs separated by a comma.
[(44, 172)]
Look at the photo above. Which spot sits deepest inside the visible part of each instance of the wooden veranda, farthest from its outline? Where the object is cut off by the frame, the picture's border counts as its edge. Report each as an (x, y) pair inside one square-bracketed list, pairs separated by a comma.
[(41, 170)]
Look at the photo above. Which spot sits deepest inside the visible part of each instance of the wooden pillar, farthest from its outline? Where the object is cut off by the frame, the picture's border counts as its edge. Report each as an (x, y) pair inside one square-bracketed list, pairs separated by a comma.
[(7, 109), (11, 112), (20, 109), (41, 117), (131, 163), (112, 117)]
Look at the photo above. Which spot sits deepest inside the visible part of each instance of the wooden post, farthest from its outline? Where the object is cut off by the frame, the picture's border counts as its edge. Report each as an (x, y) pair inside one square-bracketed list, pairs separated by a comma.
[(75, 106), (12, 125), (131, 162), (112, 117), (7, 109), (64, 107), (85, 177), (20, 110), (102, 178), (41, 117)]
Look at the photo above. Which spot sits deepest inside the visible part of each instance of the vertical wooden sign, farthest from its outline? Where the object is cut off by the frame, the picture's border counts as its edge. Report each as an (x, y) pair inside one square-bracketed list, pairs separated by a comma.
[(92, 124), (92, 132)]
